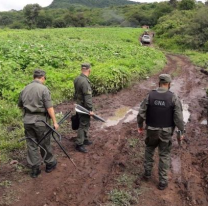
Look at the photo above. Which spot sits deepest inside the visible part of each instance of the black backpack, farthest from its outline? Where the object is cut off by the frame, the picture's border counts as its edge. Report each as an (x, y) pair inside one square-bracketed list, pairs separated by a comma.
[(75, 121)]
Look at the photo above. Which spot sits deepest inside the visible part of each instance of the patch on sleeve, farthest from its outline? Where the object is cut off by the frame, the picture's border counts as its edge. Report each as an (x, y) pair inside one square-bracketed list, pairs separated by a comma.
[(89, 91)]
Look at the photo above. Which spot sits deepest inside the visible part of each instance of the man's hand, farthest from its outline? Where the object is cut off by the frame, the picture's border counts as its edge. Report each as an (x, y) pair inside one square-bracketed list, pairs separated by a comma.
[(56, 126), (140, 130), (91, 113), (181, 137), (53, 117)]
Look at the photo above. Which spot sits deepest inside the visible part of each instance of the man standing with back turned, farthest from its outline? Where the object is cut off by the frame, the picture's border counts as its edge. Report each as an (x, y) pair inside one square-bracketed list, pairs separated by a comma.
[(162, 111), (83, 97), (36, 102)]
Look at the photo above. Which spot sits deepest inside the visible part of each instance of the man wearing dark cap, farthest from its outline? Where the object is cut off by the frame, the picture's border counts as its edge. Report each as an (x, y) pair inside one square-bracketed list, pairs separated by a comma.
[(83, 97), (162, 111), (36, 102)]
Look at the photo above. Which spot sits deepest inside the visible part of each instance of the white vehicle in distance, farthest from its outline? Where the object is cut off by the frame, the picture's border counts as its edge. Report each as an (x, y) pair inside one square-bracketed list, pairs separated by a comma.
[(146, 39)]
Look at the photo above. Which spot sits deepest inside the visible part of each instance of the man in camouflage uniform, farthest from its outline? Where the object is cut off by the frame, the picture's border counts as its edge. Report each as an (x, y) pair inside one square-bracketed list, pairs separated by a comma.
[(162, 111), (36, 102), (83, 97)]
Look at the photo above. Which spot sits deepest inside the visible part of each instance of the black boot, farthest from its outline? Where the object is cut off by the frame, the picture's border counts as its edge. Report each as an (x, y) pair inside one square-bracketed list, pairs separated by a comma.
[(51, 167), (81, 148), (35, 172), (87, 142), (147, 175), (162, 185)]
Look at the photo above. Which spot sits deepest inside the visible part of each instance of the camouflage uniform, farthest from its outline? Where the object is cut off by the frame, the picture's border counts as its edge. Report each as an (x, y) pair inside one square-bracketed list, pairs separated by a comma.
[(35, 99), (160, 137), (83, 96)]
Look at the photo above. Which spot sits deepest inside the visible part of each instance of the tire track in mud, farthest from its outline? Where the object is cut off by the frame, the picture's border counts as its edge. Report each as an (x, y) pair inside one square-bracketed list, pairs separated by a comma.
[(89, 184)]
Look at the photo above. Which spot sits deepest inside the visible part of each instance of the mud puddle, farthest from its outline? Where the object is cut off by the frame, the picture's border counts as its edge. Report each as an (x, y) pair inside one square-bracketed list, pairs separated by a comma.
[(176, 159), (204, 122), (186, 113), (176, 167), (123, 114)]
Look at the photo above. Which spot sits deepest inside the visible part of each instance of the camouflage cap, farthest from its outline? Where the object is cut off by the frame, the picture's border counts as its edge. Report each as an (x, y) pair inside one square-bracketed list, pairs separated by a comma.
[(39, 73), (165, 78), (86, 65)]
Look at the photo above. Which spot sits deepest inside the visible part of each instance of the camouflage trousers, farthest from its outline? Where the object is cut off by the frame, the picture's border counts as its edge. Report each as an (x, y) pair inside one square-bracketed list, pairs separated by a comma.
[(84, 125), (162, 140), (36, 132)]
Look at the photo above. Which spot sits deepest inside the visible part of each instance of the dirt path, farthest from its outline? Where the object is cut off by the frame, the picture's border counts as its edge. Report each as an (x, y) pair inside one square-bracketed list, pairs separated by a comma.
[(118, 151)]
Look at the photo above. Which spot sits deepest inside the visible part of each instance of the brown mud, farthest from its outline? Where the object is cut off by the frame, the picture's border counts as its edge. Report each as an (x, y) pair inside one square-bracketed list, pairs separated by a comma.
[(117, 152)]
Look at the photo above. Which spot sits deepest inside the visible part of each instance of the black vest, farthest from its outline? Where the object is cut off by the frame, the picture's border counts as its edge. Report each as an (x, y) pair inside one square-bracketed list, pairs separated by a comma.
[(160, 109)]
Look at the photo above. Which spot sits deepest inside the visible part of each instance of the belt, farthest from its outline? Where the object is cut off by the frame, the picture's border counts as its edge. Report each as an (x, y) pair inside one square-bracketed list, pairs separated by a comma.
[(36, 113)]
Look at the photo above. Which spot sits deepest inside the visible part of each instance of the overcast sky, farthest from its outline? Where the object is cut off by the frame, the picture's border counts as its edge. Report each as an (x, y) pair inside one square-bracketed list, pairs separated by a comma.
[(6, 5)]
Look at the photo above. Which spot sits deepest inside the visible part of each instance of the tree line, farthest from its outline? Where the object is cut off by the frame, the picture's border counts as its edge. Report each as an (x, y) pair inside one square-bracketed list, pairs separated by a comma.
[(135, 15), (90, 3)]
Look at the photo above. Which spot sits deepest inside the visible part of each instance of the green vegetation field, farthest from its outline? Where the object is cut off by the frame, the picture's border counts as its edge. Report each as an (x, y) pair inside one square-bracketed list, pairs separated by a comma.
[(115, 54)]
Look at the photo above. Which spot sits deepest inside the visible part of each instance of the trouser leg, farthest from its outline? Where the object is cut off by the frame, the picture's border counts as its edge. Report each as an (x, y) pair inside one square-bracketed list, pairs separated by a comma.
[(148, 162), (33, 157), (164, 156), (84, 124), (151, 142), (46, 144)]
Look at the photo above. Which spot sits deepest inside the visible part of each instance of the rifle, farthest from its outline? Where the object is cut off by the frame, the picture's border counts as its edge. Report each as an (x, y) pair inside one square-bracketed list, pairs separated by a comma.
[(82, 110)]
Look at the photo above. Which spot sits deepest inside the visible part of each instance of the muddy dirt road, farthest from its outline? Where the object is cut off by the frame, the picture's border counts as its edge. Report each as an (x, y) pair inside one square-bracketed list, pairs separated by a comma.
[(114, 161)]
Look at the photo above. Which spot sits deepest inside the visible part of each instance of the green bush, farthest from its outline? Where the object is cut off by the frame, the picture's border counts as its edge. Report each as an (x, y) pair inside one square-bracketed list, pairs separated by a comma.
[(198, 58), (8, 112)]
